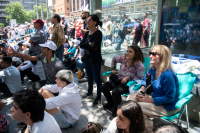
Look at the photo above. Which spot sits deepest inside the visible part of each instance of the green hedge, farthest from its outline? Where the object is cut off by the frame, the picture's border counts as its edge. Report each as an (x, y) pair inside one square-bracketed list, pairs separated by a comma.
[(1, 24)]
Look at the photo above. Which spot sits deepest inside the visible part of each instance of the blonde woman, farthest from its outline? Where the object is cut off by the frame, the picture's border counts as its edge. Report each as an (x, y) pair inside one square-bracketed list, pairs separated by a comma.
[(165, 87)]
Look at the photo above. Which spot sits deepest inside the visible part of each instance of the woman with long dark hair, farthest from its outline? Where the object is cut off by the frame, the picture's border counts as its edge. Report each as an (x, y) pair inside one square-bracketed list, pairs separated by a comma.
[(92, 56), (129, 119), (131, 68)]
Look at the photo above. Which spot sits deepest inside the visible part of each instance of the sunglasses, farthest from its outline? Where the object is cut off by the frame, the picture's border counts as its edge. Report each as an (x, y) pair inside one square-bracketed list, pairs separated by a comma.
[(154, 54)]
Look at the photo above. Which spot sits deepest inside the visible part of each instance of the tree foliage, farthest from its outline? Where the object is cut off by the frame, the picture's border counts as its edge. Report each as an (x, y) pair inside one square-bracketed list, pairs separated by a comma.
[(16, 11), (32, 14)]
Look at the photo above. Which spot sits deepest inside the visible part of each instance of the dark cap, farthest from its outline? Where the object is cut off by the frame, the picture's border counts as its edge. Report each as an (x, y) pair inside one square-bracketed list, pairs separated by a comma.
[(62, 17), (39, 21)]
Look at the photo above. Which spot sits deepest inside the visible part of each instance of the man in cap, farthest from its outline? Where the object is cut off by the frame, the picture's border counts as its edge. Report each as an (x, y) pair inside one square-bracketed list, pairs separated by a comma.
[(65, 107), (84, 16), (64, 25), (137, 31), (58, 36), (37, 38), (50, 63)]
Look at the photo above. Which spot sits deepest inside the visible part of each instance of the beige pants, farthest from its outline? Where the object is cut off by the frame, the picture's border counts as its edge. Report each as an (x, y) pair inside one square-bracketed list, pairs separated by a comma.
[(150, 110)]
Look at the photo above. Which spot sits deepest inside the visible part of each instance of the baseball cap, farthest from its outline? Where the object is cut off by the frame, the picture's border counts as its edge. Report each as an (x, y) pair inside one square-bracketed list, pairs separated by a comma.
[(49, 44), (77, 43), (62, 17), (39, 21), (107, 41), (26, 43), (66, 36), (86, 10)]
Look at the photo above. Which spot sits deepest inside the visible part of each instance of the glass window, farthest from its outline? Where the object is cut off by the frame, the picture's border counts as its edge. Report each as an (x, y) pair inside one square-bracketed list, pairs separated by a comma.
[(180, 28), (121, 28)]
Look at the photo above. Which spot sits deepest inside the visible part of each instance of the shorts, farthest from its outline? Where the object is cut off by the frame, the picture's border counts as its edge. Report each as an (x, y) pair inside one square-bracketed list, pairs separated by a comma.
[(127, 37), (62, 120)]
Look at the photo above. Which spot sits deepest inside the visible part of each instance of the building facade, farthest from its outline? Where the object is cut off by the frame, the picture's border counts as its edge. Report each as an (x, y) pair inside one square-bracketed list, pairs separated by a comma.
[(3, 4)]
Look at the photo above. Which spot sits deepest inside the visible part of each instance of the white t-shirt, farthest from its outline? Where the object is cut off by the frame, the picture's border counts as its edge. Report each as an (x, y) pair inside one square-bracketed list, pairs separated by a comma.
[(48, 125), (13, 34), (22, 32), (112, 128)]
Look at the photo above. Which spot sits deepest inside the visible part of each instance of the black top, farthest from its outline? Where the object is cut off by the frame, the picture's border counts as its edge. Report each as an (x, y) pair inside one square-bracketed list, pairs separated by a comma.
[(92, 52)]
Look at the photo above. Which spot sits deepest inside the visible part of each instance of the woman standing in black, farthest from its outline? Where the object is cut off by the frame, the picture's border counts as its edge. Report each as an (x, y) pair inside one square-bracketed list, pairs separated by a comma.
[(92, 56)]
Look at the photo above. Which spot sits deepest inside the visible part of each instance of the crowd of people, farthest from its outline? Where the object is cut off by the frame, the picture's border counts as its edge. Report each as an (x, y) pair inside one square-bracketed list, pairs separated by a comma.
[(48, 54)]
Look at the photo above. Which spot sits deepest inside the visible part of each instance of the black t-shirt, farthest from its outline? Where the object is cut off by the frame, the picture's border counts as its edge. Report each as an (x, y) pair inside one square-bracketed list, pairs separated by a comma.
[(138, 31), (92, 52)]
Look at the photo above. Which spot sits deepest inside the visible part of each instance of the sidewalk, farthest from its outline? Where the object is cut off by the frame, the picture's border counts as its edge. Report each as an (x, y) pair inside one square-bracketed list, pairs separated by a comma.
[(88, 112)]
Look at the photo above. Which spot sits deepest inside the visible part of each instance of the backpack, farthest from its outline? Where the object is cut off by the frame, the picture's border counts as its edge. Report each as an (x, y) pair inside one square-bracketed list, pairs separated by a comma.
[(3, 123), (92, 128)]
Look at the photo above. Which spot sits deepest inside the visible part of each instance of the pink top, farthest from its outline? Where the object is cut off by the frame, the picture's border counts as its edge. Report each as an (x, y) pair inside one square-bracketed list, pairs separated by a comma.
[(78, 28), (146, 23), (135, 71)]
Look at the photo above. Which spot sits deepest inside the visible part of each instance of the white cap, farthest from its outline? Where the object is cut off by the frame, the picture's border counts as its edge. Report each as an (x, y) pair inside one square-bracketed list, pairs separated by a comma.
[(107, 41), (77, 43), (86, 10), (27, 44), (49, 44), (74, 40), (66, 36)]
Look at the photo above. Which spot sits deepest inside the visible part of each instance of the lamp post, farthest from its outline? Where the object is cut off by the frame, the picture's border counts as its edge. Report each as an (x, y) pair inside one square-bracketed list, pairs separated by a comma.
[(47, 9), (42, 11), (37, 9)]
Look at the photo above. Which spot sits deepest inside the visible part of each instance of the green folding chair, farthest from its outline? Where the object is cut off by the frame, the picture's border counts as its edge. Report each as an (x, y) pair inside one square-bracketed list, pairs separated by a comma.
[(186, 82)]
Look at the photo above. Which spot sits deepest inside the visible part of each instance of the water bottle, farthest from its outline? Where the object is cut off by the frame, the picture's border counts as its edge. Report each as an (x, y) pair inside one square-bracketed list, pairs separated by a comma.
[(79, 73)]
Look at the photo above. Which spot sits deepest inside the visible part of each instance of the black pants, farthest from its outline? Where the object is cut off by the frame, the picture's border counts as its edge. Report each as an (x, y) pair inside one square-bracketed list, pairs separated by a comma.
[(71, 64), (136, 41), (146, 39), (37, 85), (152, 39), (30, 75), (5, 90), (118, 90)]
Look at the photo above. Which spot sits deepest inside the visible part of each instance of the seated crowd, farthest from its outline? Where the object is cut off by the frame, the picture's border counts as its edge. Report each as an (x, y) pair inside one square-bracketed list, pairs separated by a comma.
[(53, 101)]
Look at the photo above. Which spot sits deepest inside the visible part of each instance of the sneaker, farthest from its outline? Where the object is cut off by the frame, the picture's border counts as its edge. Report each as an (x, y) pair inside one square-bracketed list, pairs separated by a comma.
[(88, 96), (108, 106), (21, 124), (83, 80), (96, 102)]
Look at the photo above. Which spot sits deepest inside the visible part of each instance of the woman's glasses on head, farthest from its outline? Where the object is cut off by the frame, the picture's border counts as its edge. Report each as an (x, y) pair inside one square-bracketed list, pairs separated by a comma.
[(154, 54)]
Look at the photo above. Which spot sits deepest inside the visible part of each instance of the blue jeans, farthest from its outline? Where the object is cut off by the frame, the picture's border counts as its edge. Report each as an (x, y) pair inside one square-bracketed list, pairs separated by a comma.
[(93, 73), (62, 120), (79, 64), (119, 42), (59, 53)]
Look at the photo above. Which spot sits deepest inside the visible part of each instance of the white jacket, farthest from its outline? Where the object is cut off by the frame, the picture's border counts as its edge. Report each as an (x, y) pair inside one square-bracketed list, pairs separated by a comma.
[(68, 100)]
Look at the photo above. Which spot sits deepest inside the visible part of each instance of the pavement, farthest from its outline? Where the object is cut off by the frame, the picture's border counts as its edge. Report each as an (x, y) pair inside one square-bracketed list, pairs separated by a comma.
[(88, 112)]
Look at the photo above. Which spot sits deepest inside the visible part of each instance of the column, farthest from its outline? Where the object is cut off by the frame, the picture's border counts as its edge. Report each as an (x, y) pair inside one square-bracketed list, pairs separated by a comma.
[(84, 4), (47, 9), (80, 4), (72, 5), (42, 15), (37, 9), (95, 5), (75, 5), (159, 11)]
